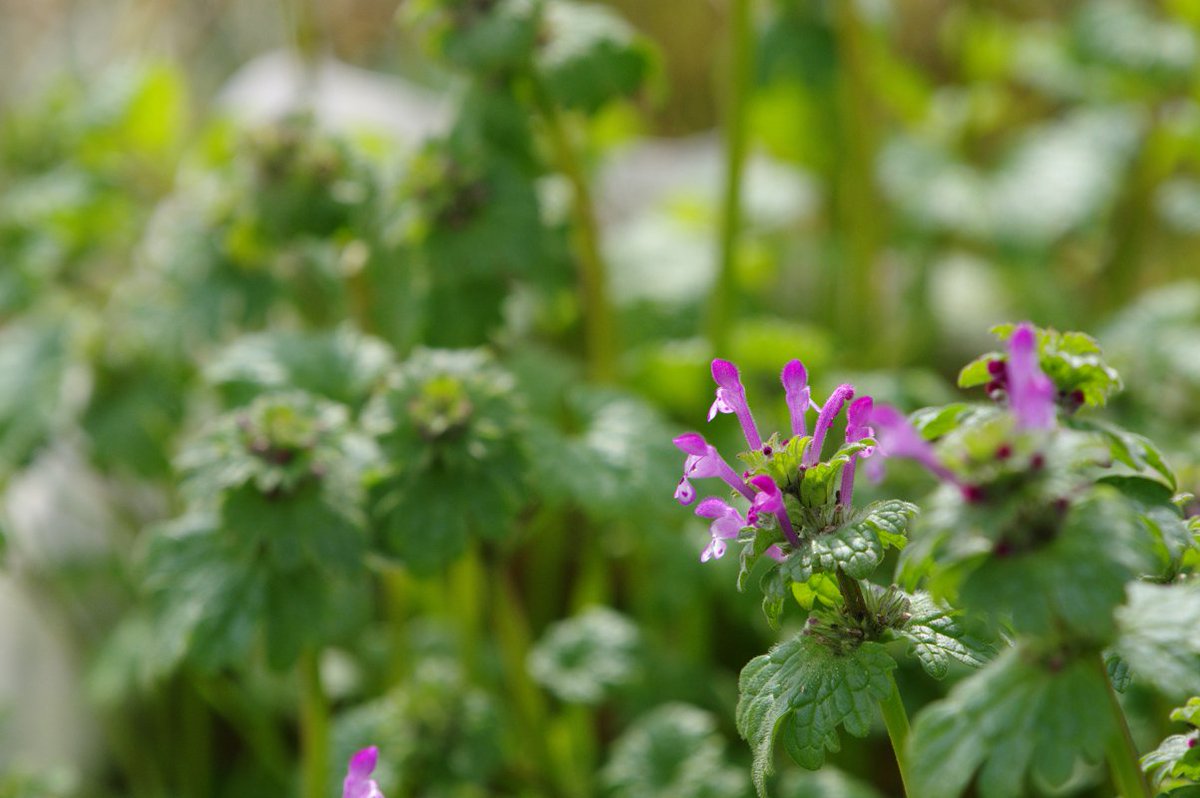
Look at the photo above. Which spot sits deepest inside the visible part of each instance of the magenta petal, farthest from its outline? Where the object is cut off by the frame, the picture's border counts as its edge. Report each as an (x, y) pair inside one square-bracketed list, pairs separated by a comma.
[(794, 376), (685, 494), (833, 406), (775, 553), (1030, 391), (692, 443), (712, 507), (358, 782), (726, 375), (797, 394)]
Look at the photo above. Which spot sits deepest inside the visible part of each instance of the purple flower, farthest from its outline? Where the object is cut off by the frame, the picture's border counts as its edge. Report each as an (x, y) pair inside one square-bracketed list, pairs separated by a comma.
[(797, 393), (1030, 391), (770, 500), (703, 460), (727, 523), (858, 416), (358, 782), (731, 398), (833, 406), (898, 438)]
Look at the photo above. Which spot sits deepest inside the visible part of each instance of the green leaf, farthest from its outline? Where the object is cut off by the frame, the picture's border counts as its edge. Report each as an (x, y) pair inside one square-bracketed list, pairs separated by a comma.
[(450, 424), (1019, 716), (976, 372), (857, 546), (1118, 671), (939, 635), (607, 454), (1069, 581), (1161, 516), (34, 358), (1177, 757), (934, 422), (583, 659), (1131, 449), (343, 366), (588, 55), (1188, 713), (674, 750), (1157, 635), (802, 692), (821, 588)]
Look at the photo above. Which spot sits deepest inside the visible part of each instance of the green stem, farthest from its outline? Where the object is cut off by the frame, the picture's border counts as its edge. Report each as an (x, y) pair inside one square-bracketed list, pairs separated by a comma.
[(860, 215), (896, 721), (314, 727), (737, 93), (1122, 753), (599, 328)]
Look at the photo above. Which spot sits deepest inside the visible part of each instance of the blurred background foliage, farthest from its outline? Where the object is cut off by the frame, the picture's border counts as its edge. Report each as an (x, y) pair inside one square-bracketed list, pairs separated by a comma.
[(448, 276)]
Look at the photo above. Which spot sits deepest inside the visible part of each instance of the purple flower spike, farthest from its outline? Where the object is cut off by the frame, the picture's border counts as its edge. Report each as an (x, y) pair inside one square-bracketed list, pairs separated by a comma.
[(1030, 391), (731, 398), (770, 500), (727, 523), (799, 395), (898, 438), (833, 406), (858, 416), (358, 782), (703, 460)]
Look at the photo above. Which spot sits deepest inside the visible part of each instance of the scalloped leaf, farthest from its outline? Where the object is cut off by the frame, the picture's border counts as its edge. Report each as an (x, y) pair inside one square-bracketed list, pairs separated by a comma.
[(589, 55), (1157, 635), (1136, 451), (1017, 716), (939, 636), (802, 692), (858, 546), (1178, 757)]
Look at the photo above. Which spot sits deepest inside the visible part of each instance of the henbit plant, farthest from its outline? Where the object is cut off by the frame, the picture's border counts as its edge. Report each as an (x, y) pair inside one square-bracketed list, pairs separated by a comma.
[(1040, 530), (819, 548)]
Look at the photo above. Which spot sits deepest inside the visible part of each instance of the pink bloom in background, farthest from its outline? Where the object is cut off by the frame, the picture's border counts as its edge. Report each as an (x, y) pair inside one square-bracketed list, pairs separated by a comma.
[(1030, 392), (358, 782)]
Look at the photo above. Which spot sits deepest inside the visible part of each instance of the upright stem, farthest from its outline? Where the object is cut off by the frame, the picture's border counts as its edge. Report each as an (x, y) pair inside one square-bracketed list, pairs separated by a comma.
[(314, 727), (896, 721), (737, 92), (599, 329), (1122, 753), (859, 212)]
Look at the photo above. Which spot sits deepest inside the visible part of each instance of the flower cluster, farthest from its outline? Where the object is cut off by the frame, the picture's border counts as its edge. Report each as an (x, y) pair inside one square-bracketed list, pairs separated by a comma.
[(1030, 396), (778, 466)]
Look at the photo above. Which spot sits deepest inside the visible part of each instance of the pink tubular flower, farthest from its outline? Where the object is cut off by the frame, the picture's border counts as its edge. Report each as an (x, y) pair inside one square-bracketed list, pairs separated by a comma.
[(770, 500), (1030, 391), (858, 415), (898, 438), (358, 782), (703, 460), (797, 393), (731, 398), (727, 523), (833, 406)]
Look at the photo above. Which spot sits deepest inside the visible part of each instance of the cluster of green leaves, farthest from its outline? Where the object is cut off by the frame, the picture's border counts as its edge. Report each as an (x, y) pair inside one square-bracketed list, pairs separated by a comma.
[(1176, 762), (1059, 554), (1064, 544)]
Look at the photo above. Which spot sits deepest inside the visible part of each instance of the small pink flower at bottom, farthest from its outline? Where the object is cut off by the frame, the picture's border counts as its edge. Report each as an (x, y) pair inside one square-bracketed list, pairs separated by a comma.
[(358, 782)]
